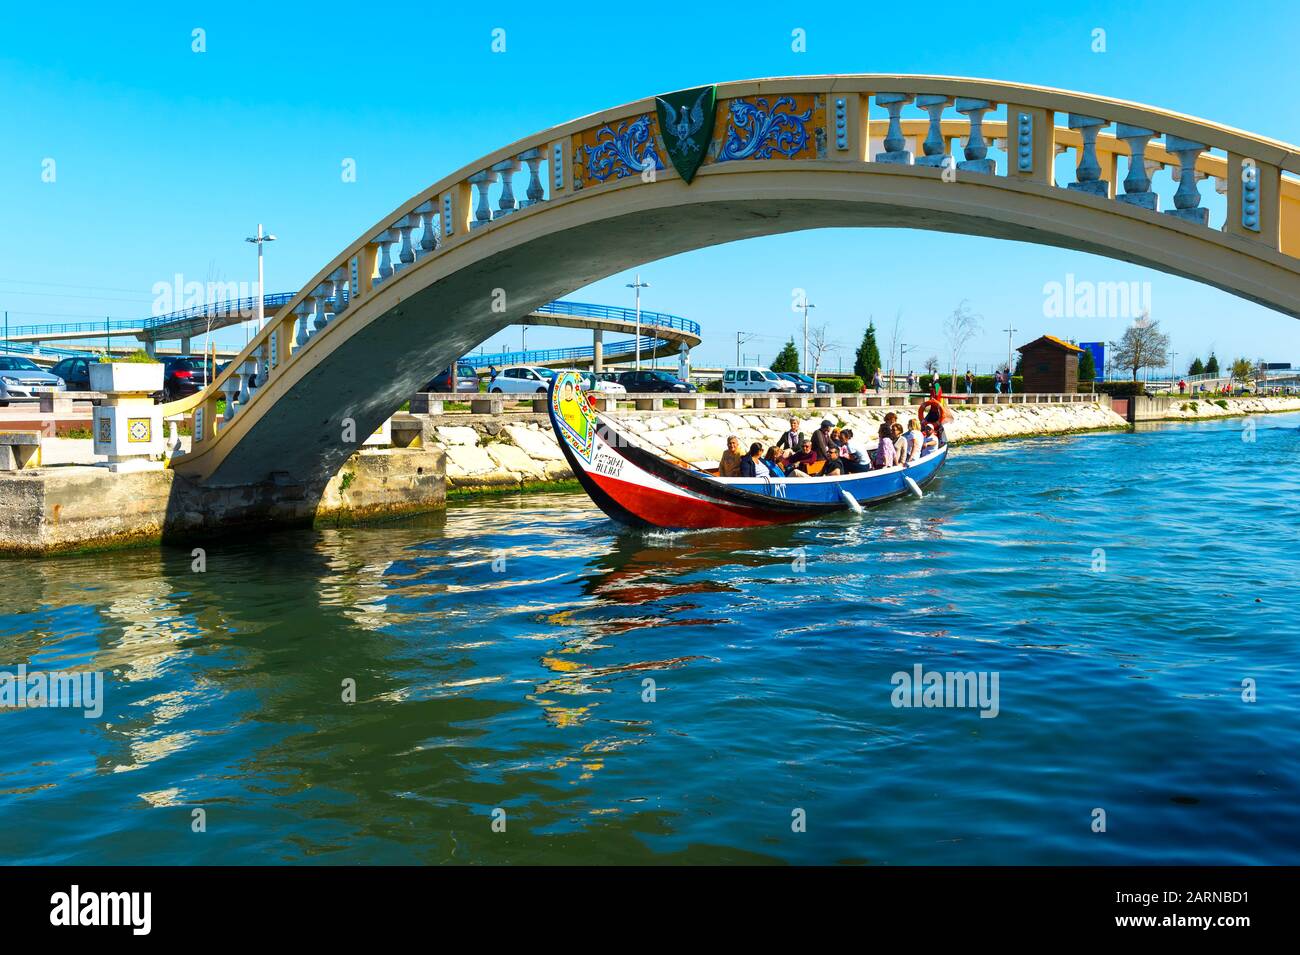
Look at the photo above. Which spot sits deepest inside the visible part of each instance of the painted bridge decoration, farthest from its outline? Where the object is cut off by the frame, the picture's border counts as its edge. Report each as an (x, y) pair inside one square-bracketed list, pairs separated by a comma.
[(553, 212)]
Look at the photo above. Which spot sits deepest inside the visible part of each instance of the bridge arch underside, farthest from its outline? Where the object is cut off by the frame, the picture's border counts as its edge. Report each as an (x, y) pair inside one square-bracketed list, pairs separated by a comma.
[(366, 365)]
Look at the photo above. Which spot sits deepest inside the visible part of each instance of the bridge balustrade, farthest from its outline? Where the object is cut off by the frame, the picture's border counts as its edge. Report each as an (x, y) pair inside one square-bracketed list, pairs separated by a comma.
[(813, 120)]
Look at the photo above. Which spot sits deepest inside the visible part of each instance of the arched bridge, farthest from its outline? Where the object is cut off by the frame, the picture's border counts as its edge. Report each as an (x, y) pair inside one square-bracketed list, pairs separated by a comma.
[(493, 241)]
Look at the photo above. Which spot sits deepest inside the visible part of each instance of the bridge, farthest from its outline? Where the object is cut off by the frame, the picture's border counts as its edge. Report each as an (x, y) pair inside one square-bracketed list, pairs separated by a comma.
[(492, 242), (662, 334)]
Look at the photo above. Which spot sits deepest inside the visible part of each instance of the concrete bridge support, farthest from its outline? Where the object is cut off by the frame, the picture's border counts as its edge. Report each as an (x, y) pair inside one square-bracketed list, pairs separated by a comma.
[(597, 351)]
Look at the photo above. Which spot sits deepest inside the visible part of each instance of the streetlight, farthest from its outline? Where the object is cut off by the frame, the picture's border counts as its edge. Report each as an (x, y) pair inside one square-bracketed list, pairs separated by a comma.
[(259, 240), (1010, 329), (805, 305), (638, 285)]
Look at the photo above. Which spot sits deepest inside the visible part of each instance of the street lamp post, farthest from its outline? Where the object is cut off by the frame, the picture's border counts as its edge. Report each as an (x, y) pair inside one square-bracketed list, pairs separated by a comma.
[(805, 305), (1010, 330), (259, 240), (638, 285)]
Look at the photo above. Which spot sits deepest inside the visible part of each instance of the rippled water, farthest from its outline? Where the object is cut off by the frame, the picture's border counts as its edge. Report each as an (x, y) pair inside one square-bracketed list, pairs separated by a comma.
[(499, 655)]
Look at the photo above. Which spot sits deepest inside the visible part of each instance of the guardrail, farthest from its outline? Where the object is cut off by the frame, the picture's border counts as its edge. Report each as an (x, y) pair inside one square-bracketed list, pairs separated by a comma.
[(486, 403)]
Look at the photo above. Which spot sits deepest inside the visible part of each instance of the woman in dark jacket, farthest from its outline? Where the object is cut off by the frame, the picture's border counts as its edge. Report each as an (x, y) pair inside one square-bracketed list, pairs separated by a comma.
[(751, 465)]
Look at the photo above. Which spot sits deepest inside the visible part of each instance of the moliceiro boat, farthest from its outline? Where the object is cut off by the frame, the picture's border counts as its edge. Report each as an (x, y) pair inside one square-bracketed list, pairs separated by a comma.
[(642, 488)]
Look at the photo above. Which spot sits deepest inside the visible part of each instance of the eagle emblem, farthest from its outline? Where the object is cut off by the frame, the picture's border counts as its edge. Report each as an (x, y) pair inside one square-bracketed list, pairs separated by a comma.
[(686, 122)]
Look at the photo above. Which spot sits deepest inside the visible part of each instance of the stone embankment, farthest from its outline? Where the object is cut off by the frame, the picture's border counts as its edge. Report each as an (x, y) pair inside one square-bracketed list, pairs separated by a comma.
[(1191, 407), (485, 453)]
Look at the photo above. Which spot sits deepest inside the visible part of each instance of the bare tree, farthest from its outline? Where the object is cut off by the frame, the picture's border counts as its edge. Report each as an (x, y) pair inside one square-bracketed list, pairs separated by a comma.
[(959, 328), (1142, 345), (893, 345), (819, 344)]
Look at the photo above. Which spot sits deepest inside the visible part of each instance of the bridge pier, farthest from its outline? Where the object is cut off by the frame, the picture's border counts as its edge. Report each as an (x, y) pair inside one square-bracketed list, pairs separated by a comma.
[(597, 351), (185, 345), (151, 348)]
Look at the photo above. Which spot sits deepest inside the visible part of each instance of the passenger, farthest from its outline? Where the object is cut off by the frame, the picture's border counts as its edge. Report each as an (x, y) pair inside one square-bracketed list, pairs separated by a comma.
[(798, 464), (900, 445), (929, 443), (792, 440), (773, 462), (855, 459), (729, 466), (821, 439), (885, 447), (913, 438), (752, 463), (834, 463)]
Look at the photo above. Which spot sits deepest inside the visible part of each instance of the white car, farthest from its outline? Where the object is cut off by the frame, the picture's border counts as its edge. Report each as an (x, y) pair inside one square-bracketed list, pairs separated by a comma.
[(603, 385), (521, 380), (754, 378)]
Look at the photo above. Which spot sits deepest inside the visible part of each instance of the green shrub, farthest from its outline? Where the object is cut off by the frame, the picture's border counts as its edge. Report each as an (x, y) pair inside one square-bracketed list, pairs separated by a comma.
[(137, 357), (1122, 389), (844, 386)]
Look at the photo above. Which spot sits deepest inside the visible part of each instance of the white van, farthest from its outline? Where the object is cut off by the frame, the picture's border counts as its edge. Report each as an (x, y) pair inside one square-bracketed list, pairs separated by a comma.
[(753, 378)]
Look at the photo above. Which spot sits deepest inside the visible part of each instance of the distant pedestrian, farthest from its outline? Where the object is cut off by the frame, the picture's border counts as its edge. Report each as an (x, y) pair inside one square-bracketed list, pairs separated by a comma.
[(911, 382), (1182, 385), (997, 381), (1008, 381), (877, 382), (970, 383)]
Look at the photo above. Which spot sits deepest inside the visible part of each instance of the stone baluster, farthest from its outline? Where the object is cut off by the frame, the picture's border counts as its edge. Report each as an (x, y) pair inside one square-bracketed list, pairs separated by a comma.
[(256, 370), (976, 149), (535, 193), (429, 235), (936, 151), (505, 171), (405, 226), (1137, 183), (1187, 200), (1087, 173), (304, 329), (340, 279), (246, 370), (481, 181), (321, 299), (896, 150), (385, 242), (230, 388)]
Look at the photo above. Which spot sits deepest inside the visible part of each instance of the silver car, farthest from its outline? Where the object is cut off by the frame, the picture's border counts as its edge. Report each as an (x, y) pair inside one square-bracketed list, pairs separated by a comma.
[(21, 380)]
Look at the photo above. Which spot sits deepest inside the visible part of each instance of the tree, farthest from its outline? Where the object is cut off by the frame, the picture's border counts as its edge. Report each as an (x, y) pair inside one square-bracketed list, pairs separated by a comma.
[(1142, 345), (932, 365), (788, 359), (959, 328), (1212, 366), (867, 361), (1087, 365), (1243, 370), (819, 344), (1197, 367)]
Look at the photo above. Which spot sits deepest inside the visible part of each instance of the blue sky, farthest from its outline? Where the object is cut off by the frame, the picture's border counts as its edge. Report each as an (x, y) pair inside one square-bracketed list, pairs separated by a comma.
[(166, 158)]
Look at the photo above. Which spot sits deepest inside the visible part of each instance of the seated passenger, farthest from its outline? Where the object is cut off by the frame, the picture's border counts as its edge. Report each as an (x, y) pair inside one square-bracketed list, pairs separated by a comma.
[(729, 466), (798, 463), (834, 463), (773, 462), (885, 450), (792, 439), (821, 438), (900, 446), (751, 465), (929, 443), (854, 458), (912, 437)]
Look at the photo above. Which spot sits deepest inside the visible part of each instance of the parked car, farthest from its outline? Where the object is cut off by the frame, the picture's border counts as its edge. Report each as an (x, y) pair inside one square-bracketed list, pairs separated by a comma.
[(650, 381), (602, 384), (754, 378), (466, 380), (75, 373), (521, 379), (21, 379), (805, 384), (183, 375)]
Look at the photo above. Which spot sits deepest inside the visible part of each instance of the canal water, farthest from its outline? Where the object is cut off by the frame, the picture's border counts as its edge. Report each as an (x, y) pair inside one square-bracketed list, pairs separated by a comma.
[(1134, 594)]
